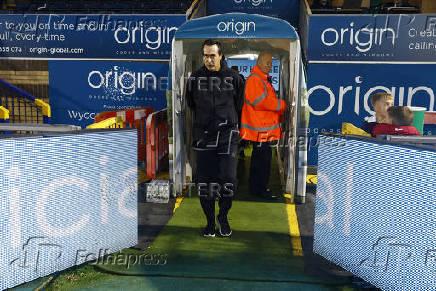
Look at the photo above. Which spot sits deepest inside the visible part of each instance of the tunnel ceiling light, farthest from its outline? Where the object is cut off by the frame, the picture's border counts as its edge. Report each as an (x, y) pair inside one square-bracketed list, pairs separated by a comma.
[(244, 56)]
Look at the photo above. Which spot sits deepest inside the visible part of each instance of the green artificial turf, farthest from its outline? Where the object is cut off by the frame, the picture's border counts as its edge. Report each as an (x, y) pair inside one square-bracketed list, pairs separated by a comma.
[(258, 250)]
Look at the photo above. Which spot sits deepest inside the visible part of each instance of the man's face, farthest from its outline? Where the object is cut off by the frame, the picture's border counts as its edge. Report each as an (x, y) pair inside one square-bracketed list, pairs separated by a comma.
[(265, 64), (211, 58), (381, 106)]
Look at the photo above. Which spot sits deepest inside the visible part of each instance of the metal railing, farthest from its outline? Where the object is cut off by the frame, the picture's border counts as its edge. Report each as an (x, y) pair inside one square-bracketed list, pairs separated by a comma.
[(18, 106)]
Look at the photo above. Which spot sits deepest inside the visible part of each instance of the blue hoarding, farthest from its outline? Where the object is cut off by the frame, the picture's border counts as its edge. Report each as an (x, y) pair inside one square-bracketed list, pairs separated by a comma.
[(375, 212), (284, 9), (88, 36), (65, 200), (245, 66), (345, 96), (80, 89), (406, 38)]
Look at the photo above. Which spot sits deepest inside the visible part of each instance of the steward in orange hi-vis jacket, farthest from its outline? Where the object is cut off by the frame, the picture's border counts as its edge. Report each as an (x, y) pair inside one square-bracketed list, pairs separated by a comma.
[(261, 111), (260, 124)]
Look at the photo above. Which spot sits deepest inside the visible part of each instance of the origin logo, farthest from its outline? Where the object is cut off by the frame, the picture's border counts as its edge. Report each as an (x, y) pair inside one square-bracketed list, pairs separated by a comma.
[(362, 39), (239, 27), (153, 37), (403, 94), (125, 81)]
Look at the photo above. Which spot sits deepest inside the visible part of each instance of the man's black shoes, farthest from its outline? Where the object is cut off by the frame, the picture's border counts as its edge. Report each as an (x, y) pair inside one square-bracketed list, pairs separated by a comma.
[(209, 231), (224, 226)]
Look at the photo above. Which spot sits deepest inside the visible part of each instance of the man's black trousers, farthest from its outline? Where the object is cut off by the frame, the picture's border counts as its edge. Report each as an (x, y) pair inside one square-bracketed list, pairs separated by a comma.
[(260, 166), (216, 177)]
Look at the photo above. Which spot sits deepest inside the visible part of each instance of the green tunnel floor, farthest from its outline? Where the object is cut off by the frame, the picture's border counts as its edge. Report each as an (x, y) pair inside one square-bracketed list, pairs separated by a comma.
[(258, 255)]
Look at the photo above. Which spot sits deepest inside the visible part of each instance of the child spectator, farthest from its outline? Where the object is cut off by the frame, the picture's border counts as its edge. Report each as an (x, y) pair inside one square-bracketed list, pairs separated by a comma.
[(401, 118), (380, 101)]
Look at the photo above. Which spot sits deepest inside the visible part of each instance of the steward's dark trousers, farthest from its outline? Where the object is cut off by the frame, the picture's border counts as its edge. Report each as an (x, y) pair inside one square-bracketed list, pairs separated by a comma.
[(260, 166), (216, 177)]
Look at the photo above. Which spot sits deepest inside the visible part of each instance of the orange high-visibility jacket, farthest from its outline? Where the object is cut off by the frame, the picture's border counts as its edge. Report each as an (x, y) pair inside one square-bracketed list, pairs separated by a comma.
[(261, 111)]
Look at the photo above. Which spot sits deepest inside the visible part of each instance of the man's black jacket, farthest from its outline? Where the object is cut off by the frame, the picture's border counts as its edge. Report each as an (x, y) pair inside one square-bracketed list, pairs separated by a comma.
[(216, 99)]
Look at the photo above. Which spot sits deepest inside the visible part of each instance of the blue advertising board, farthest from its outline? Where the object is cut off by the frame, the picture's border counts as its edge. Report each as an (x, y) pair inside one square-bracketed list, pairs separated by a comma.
[(245, 66), (378, 38), (345, 96), (284, 9), (80, 89), (52, 36), (65, 200), (375, 212)]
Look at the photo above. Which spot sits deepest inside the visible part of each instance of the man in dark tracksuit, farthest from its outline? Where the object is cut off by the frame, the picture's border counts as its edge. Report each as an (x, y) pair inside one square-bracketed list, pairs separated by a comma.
[(215, 94)]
